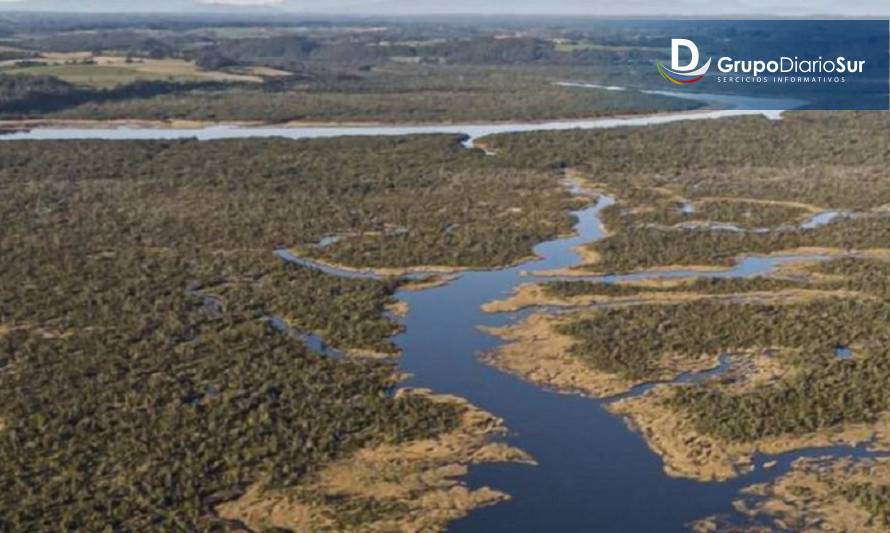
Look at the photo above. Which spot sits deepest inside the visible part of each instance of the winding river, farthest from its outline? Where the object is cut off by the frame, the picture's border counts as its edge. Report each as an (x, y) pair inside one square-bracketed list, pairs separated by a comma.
[(594, 474)]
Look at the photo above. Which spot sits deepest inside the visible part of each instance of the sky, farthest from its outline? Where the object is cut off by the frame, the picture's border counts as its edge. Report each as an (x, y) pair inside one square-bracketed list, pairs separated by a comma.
[(704, 8)]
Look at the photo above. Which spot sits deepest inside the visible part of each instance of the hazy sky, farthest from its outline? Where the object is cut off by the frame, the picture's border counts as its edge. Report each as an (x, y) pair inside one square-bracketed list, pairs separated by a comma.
[(416, 7)]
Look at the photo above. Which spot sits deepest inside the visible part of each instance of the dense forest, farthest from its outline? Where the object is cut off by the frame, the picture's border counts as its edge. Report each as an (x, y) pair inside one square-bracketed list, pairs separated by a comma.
[(820, 395), (631, 341), (569, 289), (315, 70), (398, 94), (749, 172), (395, 201), (142, 382)]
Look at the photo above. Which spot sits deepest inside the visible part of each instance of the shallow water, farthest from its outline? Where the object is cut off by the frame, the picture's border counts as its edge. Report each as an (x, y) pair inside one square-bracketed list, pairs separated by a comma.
[(310, 340), (821, 219), (728, 101), (286, 255), (843, 352), (815, 221)]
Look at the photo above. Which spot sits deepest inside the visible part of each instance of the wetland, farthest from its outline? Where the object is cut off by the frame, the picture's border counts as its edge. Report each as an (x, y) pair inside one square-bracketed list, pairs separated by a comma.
[(354, 298)]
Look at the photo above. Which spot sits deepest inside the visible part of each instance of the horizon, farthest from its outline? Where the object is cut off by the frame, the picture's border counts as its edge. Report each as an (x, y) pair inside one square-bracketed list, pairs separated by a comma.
[(691, 9)]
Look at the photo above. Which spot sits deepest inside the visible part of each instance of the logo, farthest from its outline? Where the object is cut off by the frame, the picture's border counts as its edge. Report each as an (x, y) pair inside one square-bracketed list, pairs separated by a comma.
[(684, 74)]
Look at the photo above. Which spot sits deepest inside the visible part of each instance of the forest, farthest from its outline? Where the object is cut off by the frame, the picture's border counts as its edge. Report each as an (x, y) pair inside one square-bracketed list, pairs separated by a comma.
[(340, 70), (569, 289), (395, 201), (820, 395), (142, 379), (631, 341), (750, 172), (399, 94), (142, 383)]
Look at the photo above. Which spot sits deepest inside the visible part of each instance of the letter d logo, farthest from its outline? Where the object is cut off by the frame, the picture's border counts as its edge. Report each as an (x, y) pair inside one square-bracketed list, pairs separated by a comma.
[(675, 55), (684, 74)]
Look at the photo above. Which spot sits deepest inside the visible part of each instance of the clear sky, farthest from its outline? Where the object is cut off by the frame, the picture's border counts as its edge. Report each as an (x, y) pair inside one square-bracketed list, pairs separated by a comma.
[(417, 7)]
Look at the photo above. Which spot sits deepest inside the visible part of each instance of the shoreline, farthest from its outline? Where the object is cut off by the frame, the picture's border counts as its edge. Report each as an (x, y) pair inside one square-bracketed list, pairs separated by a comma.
[(420, 480), (441, 271), (810, 497), (533, 295), (735, 261), (534, 351), (185, 123), (688, 453)]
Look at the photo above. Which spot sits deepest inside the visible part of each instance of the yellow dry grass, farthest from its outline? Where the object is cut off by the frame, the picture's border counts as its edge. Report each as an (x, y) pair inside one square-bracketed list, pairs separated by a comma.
[(688, 453), (808, 498), (421, 475)]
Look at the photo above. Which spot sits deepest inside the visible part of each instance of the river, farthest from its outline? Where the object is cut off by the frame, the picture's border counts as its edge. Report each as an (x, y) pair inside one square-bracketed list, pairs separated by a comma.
[(720, 106), (594, 473)]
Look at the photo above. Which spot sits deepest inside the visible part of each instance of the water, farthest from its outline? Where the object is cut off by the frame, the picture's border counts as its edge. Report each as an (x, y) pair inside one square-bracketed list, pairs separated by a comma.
[(843, 352), (813, 222), (734, 106), (593, 473), (747, 267), (328, 240), (286, 255), (729, 101), (472, 131), (821, 219), (310, 340)]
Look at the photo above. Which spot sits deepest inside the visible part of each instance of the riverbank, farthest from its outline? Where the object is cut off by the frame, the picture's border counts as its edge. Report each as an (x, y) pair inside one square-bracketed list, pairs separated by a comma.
[(135, 123), (588, 269), (536, 351), (411, 486), (536, 295), (120, 129), (437, 274), (688, 453), (817, 493)]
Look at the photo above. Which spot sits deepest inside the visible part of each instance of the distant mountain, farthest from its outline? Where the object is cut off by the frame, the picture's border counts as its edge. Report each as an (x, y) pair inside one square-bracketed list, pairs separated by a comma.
[(422, 7)]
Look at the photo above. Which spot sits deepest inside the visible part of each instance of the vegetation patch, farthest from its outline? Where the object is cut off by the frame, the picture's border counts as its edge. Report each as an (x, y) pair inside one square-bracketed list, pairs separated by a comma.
[(588, 293), (629, 341), (407, 486), (826, 493), (689, 453)]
